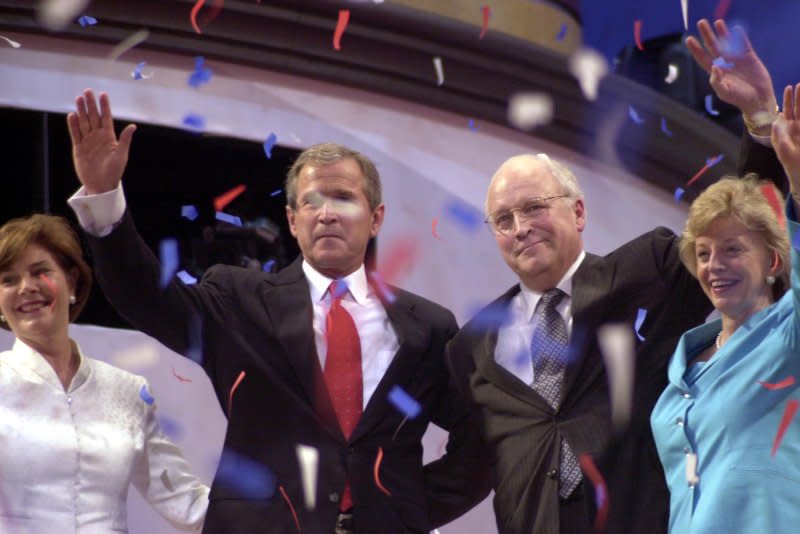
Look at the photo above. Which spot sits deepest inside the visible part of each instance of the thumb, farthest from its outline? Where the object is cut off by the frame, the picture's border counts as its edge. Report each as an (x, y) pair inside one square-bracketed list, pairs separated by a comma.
[(125, 138)]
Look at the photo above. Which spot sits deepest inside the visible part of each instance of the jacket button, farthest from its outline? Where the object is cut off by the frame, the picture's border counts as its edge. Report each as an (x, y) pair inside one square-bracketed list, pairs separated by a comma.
[(553, 473), (333, 497)]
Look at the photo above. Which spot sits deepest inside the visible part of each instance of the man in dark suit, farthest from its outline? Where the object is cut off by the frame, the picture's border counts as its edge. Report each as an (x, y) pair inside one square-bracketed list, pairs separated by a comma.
[(305, 356), (537, 384)]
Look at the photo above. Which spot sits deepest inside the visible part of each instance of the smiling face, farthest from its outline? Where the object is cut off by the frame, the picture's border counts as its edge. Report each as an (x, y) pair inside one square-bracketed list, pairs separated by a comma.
[(541, 250), (34, 295), (332, 220), (732, 266)]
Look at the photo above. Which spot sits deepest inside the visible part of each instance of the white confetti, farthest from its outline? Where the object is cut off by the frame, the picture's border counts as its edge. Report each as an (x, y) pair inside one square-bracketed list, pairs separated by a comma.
[(691, 469), (616, 344), (672, 73), (437, 64), (9, 41), (529, 110), (128, 43), (685, 12), (308, 457), (589, 67), (55, 15), (136, 358)]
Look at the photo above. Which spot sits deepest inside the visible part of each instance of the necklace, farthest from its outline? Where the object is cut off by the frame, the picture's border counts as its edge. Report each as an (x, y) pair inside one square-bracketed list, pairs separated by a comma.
[(718, 343)]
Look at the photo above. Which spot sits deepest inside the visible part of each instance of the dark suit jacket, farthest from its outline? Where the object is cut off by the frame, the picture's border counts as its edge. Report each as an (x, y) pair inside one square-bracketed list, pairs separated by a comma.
[(261, 324), (522, 433)]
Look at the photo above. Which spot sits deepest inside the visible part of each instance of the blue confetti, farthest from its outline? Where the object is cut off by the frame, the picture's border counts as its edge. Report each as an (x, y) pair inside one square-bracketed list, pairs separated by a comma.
[(189, 211), (796, 240), (721, 63), (710, 106), (679, 194), (634, 115), (170, 427), (341, 289), (168, 254), (276, 193), (664, 127), (145, 395), (268, 144), (246, 476), (194, 121), (472, 126), (232, 219), (710, 162), (464, 214), (382, 287), (641, 314), (86, 20), (733, 45), (562, 32), (186, 278), (489, 318), (201, 74), (523, 358), (268, 265), (194, 343), (137, 72), (405, 403)]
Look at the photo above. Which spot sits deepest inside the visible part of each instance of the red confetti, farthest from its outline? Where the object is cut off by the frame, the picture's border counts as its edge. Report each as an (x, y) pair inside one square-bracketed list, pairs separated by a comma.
[(637, 34), (344, 18), (600, 490), (434, 223), (788, 415), (722, 9), (486, 11), (179, 377), (697, 176), (216, 7), (193, 15), (398, 259), (52, 285), (226, 198), (291, 508), (378, 460), (233, 390), (768, 190), (785, 383)]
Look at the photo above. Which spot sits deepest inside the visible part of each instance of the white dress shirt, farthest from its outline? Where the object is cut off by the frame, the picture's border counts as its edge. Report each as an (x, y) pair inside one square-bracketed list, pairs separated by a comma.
[(67, 458), (513, 350), (99, 214)]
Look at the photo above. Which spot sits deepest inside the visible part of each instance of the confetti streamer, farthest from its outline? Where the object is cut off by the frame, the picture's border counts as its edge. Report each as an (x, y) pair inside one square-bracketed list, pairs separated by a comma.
[(201, 74), (405, 403), (308, 458), (129, 42), (194, 122), (13, 44), (86, 20), (233, 390), (341, 24), (710, 162), (136, 73), (179, 377), (437, 66), (170, 427), (697, 176), (664, 127), (691, 469), (785, 383), (189, 211), (600, 490), (193, 15), (721, 63), (637, 34), (376, 472), (617, 346), (634, 115), (291, 507), (589, 67), (472, 126), (386, 294), (788, 415), (55, 15), (562, 32), (641, 315), (685, 14), (186, 278), (486, 13), (268, 265), (672, 73), (168, 254), (722, 9), (770, 193), (434, 223), (194, 342), (216, 7), (145, 395), (250, 478), (226, 198), (269, 143), (230, 219), (166, 481), (399, 259), (489, 318), (276, 193), (710, 106), (529, 110), (679, 191), (465, 215)]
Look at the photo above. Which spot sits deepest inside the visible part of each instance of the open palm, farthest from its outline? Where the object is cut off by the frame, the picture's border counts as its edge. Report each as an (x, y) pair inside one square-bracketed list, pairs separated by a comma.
[(786, 135), (98, 156)]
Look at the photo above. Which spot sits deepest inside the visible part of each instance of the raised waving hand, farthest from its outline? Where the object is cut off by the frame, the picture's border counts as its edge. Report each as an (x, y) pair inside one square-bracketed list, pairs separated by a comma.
[(786, 137)]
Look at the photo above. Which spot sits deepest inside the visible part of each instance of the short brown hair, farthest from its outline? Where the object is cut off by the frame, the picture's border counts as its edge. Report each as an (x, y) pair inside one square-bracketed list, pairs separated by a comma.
[(55, 235), (742, 200), (327, 153)]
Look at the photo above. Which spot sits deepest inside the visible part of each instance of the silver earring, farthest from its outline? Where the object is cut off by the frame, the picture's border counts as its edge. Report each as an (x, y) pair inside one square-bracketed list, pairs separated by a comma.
[(72, 299), (770, 279), (2, 318)]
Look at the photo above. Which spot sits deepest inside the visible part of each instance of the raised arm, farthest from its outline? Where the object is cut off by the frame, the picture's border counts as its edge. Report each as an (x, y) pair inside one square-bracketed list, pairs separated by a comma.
[(786, 140)]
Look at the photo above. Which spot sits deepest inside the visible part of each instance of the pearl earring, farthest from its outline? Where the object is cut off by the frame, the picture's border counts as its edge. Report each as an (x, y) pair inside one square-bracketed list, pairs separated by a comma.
[(2, 318), (72, 299), (770, 279)]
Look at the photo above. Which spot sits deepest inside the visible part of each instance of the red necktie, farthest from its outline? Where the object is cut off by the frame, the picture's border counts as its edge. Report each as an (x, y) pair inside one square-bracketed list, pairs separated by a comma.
[(343, 370)]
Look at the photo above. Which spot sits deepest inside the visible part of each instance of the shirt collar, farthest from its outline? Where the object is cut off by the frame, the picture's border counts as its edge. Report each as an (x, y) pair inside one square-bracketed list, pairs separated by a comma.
[(26, 357), (530, 297), (318, 283)]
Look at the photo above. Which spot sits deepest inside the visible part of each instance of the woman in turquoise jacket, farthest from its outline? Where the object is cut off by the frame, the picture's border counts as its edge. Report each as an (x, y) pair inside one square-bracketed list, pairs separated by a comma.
[(724, 425)]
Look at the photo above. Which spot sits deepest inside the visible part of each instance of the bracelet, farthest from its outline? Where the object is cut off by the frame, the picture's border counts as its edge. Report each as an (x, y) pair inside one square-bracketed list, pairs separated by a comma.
[(760, 119)]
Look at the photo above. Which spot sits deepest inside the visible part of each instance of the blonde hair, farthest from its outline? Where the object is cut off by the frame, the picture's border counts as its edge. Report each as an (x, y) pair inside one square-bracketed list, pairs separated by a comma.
[(743, 200)]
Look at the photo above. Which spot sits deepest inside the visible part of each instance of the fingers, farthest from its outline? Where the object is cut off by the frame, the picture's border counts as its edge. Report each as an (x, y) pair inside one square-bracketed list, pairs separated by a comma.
[(125, 139), (91, 109), (83, 116), (796, 101), (741, 37), (709, 38), (788, 103), (106, 118), (74, 129), (699, 53)]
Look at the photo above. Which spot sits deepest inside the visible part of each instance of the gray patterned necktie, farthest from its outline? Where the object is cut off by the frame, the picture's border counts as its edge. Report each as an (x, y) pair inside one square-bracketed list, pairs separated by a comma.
[(549, 347)]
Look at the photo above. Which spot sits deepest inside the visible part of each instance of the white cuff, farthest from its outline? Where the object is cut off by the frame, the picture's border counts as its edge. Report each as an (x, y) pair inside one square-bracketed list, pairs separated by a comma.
[(98, 214), (765, 140)]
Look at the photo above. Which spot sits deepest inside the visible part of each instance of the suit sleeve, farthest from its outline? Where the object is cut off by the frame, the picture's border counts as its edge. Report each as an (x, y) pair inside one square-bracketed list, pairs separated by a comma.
[(762, 160)]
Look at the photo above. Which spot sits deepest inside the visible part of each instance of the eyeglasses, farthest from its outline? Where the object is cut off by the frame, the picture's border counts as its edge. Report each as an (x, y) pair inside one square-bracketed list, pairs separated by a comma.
[(535, 208)]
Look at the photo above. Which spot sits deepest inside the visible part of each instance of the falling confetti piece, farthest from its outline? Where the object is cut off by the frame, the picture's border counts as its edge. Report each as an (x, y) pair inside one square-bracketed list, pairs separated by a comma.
[(465, 215), (308, 458), (589, 67), (226, 198), (796, 240), (51, 285), (664, 127), (771, 194), (228, 218), (14, 44), (170, 427), (276, 193), (340, 289), (201, 74), (376, 472), (166, 481), (194, 122), (129, 42), (637, 34), (194, 341), (233, 390), (268, 265), (146, 397), (710, 162), (788, 415), (189, 211), (489, 318), (600, 490), (186, 278), (685, 14), (136, 73), (679, 191), (529, 110), (193, 15), (692, 477), (722, 9), (341, 24), (168, 254), (672, 73), (434, 223), (249, 478), (437, 66), (138, 357), (785, 383), (634, 115), (55, 15), (562, 32), (641, 315), (269, 143), (486, 13), (179, 377), (386, 294), (617, 346), (405, 403), (721, 63), (399, 258), (472, 126), (291, 508), (733, 45), (86, 20)]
